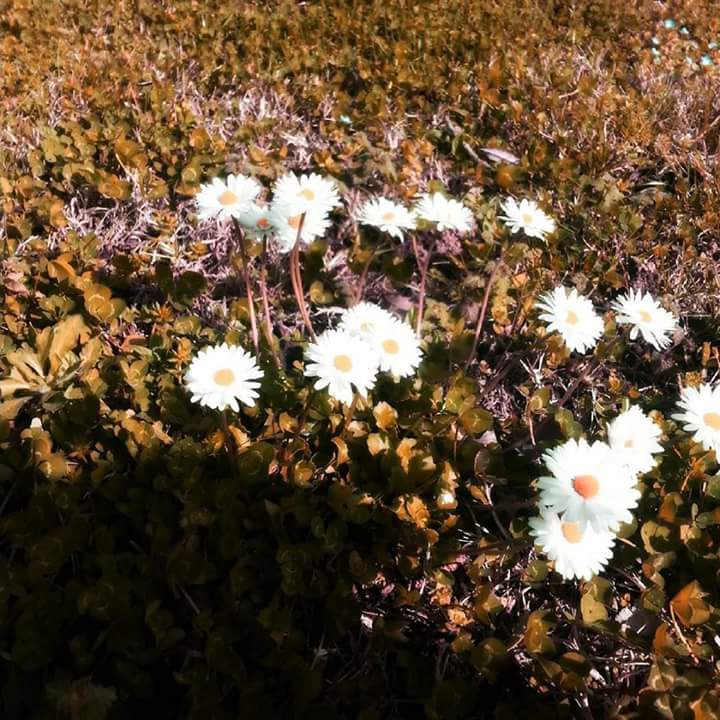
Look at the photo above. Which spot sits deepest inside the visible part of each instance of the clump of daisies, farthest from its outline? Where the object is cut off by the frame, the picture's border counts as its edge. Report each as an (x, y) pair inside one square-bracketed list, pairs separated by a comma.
[(302, 204), (222, 376), (368, 340), (646, 317), (526, 216), (590, 489), (573, 317)]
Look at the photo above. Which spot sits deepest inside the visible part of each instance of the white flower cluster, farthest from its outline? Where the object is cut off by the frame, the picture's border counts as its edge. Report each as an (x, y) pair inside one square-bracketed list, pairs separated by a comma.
[(590, 490), (302, 203), (573, 316), (368, 340)]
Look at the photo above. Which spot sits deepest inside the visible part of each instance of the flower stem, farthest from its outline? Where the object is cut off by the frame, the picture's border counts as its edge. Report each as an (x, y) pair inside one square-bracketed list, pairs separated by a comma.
[(248, 286), (483, 309), (423, 267), (296, 278), (269, 336), (229, 444), (363, 278), (351, 410)]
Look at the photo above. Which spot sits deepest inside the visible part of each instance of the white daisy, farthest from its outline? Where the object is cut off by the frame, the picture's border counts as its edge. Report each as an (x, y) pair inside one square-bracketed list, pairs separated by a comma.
[(258, 221), (341, 360), (449, 214), (573, 316), (396, 346), (647, 317), (364, 318), (227, 198), (701, 415), (220, 376), (577, 552), (528, 217), (387, 216), (633, 436), (589, 485), (314, 225), (310, 194)]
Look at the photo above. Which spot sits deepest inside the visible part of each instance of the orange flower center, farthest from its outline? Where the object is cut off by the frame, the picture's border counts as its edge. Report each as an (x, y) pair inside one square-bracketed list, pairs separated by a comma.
[(294, 221), (228, 198), (572, 318), (712, 420), (571, 532), (224, 377), (586, 486), (391, 347), (308, 194), (527, 218), (645, 316), (389, 216), (262, 223), (629, 443), (343, 363)]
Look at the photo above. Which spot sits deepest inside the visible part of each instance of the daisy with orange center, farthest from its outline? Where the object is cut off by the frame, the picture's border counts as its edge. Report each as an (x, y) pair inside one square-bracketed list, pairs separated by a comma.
[(573, 317), (700, 415), (227, 198), (257, 221), (589, 485), (577, 552)]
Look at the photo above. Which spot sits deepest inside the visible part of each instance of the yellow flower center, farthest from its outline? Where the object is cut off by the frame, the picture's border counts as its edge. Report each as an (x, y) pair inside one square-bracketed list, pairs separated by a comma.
[(712, 420), (572, 318), (645, 316), (224, 377), (228, 198), (391, 347), (262, 223), (294, 221), (586, 486), (629, 443), (343, 363), (389, 216), (571, 532), (366, 326), (527, 218), (308, 194)]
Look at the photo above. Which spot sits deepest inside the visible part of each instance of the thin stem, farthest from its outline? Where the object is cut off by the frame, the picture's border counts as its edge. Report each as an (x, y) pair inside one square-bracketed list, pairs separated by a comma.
[(423, 267), (248, 287), (351, 410), (269, 336), (296, 278), (229, 444), (483, 309), (363, 279)]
